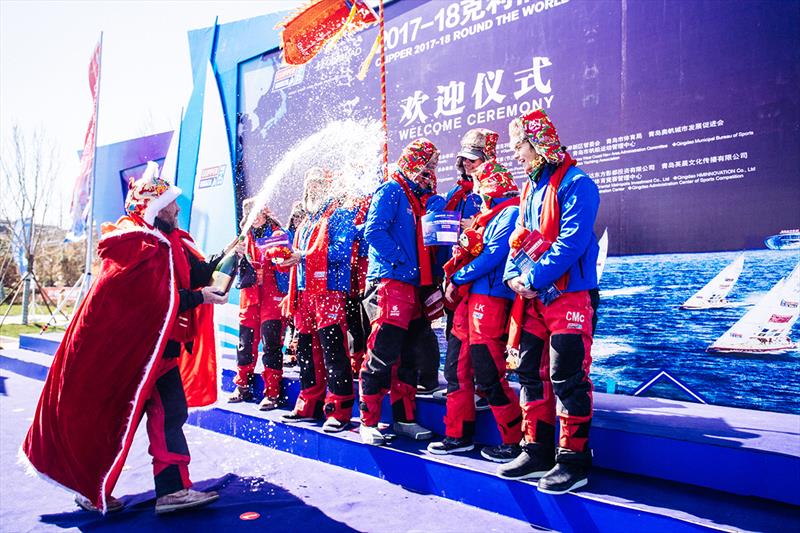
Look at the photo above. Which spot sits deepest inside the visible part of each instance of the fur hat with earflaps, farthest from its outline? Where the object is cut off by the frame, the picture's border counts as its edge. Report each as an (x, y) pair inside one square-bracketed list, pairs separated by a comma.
[(418, 162), (537, 128)]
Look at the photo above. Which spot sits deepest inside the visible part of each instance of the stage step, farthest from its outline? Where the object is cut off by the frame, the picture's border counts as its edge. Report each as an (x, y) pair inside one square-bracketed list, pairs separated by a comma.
[(648, 454), (34, 365), (613, 501), (739, 451), (46, 343)]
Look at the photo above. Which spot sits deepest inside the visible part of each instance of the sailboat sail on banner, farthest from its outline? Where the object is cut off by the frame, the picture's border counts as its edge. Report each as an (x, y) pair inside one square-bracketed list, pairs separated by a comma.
[(765, 328), (713, 294), (602, 254)]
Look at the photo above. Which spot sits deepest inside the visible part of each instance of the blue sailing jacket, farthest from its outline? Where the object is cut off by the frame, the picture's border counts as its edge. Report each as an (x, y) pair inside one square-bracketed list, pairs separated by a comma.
[(575, 249), (485, 272), (391, 233), (469, 206)]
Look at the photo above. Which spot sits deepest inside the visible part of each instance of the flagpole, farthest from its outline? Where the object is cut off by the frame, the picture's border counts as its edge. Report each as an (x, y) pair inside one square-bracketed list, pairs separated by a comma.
[(87, 270)]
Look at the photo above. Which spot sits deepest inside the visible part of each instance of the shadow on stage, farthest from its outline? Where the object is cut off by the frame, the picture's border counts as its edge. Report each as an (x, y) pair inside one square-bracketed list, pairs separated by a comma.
[(278, 510)]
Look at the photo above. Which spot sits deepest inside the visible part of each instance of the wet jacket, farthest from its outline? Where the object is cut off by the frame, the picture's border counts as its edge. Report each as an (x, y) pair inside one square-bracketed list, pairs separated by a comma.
[(338, 241)]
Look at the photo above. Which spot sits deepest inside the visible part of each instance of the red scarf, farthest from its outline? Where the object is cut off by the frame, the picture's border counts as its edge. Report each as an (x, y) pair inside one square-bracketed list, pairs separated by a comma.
[(423, 252), (465, 188), (549, 226)]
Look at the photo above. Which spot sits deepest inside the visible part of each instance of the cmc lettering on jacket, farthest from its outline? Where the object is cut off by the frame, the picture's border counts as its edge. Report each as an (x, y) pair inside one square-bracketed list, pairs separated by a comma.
[(574, 316)]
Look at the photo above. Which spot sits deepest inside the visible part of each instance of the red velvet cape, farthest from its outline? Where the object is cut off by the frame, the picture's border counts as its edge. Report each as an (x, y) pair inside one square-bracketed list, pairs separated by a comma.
[(103, 371)]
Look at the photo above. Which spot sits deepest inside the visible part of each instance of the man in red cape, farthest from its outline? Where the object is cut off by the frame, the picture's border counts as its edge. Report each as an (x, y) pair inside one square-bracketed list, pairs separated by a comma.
[(120, 358)]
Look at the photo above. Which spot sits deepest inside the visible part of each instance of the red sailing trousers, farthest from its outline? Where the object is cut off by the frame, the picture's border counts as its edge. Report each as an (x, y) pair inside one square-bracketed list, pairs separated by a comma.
[(476, 356), (390, 366), (260, 318), (166, 413), (322, 354), (555, 358)]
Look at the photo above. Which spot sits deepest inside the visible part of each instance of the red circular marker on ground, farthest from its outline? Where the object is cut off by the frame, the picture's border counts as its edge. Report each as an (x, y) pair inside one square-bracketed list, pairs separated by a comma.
[(250, 515)]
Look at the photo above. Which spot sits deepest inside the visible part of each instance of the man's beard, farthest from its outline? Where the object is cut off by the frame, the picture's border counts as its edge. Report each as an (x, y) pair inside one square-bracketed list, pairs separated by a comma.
[(163, 226), (313, 205)]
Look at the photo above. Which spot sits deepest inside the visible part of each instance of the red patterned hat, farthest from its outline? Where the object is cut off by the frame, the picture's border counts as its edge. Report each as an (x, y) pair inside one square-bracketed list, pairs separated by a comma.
[(495, 182), (149, 194), (537, 127), (416, 157)]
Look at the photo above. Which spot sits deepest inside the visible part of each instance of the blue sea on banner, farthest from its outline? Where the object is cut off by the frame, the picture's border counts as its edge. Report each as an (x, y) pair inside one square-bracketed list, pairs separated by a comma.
[(641, 329)]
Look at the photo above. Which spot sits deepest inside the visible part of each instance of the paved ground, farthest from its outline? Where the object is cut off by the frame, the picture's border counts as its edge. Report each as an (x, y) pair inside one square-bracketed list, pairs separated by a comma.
[(289, 493)]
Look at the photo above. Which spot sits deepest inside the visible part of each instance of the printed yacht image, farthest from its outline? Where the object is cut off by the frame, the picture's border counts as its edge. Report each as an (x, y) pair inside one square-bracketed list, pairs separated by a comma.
[(788, 239), (713, 293)]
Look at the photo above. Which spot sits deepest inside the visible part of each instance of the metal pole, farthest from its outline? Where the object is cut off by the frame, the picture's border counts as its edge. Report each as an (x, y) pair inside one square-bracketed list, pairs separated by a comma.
[(87, 270)]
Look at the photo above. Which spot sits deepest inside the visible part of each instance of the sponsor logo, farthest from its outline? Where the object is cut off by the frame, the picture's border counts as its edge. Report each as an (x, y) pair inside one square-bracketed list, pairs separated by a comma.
[(277, 298), (319, 274), (394, 311), (574, 316), (332, 315), (477, 315), (211, 177), (779, 319), (573, 325)]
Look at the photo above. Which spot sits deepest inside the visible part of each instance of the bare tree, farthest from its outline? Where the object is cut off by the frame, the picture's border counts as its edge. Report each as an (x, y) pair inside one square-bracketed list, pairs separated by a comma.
[(29, 166)]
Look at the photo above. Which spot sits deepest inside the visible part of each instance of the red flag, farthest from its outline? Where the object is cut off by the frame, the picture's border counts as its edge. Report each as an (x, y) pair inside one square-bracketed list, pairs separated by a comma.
[(306, 32), (79, 208)]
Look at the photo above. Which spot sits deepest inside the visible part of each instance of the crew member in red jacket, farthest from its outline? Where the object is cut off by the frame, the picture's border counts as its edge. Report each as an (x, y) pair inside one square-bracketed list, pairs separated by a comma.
[(263, 287)]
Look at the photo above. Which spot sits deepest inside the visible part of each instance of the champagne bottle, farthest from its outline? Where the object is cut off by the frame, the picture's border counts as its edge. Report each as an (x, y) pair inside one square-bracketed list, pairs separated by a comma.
[(222, 277)]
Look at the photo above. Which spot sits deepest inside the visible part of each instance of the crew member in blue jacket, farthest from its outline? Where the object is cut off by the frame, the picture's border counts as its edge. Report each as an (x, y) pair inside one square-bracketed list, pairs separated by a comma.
[(476, 348), (560, 201), (320, 281), (399, 265)]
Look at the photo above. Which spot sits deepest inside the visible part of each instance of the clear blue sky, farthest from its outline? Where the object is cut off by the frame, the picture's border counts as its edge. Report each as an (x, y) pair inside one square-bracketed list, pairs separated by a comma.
[(45, 48)]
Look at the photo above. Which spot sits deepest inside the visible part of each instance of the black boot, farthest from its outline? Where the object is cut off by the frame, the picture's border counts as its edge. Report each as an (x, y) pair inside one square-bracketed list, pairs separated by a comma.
[(571, 472), (534, 462), (451, 445)]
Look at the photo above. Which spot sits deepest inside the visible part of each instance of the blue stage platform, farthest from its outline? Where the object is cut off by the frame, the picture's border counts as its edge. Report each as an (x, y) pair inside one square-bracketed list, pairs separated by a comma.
[(662, 465)]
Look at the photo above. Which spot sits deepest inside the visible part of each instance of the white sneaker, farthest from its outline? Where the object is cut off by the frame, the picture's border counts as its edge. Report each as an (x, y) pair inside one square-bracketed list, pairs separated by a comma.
[(332, 425), (371, 435), (184, 499), (268, 404), (412, 430)]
